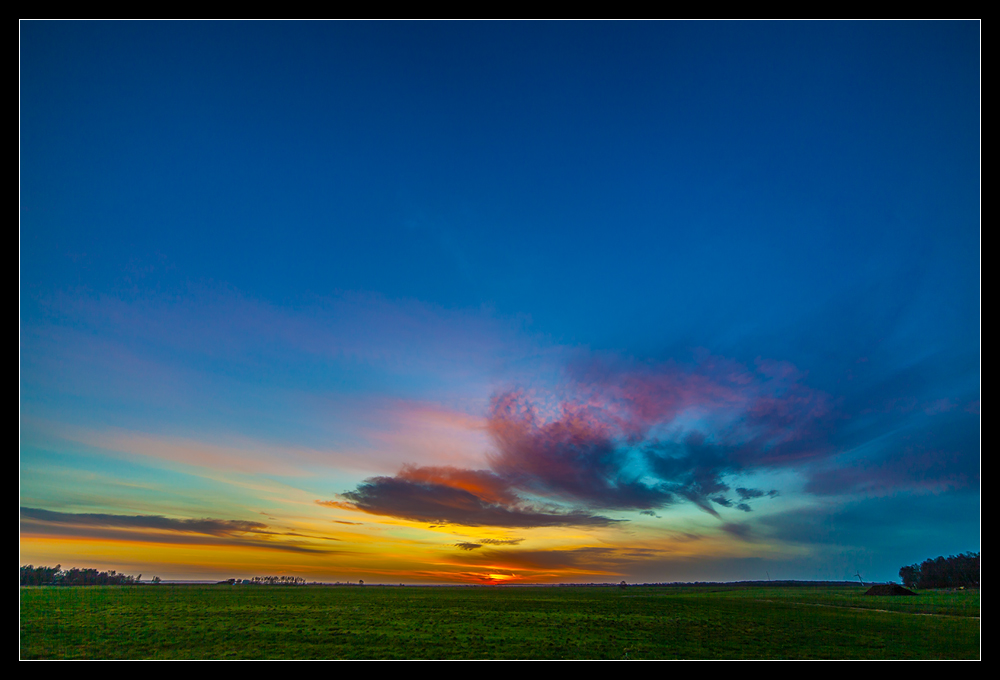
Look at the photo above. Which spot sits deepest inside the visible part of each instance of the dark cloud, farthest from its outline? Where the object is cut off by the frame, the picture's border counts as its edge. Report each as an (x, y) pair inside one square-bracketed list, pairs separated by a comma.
[(737, 530), (434, 495), (501, 541), (209, 527), (748, 494), (468, 546), (158, 529)]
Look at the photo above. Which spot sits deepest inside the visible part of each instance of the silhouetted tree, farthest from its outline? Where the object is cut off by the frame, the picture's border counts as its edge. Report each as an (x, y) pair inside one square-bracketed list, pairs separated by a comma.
[(39, 576), (955, 571), (910, 575), (42, 576)]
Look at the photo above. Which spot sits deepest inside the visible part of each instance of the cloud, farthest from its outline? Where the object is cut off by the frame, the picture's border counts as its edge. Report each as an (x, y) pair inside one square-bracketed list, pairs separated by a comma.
[(225, 323), (766, 414), (581, 564), (738, 530), (209, 527), (617, 437), (445, 496), (337, 504), (926, 457), (159, 529), (468, 546), (747, 494), (641, 437), (544, 560), (573, 458)]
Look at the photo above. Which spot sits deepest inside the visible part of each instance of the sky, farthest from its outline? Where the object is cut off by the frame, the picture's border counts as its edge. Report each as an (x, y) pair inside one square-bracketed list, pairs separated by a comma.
[(499, 302)]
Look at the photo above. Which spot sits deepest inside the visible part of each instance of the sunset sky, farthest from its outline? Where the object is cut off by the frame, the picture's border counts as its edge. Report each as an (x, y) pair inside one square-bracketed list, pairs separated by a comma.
[(526, 302)]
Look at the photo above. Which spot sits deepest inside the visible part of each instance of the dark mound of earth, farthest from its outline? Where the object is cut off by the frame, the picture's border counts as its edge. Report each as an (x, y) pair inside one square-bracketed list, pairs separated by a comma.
[(889, 589)]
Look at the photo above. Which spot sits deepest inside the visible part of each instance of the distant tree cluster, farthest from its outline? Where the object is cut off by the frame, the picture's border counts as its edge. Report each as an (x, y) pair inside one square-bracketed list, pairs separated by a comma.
[(278, 580), (55, 576), (39, 576), (955, 571)]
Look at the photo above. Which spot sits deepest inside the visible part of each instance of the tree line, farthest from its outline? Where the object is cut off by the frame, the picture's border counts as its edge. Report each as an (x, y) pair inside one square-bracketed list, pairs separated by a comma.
[(954, 571), (56, 576), (270, 581)]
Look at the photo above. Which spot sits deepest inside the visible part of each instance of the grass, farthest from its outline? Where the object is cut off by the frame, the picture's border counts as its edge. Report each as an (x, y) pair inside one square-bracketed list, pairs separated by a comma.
[(374, 622)]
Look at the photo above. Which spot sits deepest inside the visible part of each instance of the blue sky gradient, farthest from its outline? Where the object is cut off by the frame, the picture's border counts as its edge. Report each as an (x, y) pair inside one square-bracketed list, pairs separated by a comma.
[(675, 300)]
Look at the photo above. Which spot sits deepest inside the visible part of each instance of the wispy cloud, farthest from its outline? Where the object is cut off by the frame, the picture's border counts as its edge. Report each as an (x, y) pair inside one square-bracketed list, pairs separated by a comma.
[(207, 526), (501, 541), (159, 529), (924, 456)]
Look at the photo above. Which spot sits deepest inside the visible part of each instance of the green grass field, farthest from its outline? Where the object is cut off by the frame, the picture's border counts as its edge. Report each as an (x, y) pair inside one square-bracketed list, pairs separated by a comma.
[(375, 622)]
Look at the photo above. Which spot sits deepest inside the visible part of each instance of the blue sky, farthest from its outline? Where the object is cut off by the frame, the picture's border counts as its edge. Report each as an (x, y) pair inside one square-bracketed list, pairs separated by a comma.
[(402, 279)]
